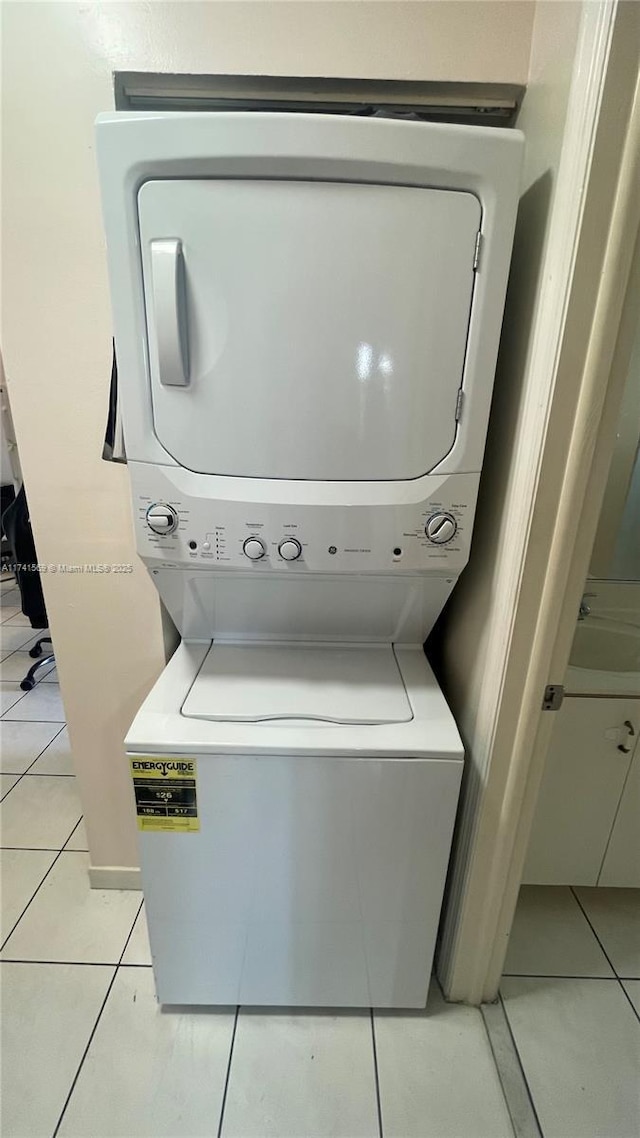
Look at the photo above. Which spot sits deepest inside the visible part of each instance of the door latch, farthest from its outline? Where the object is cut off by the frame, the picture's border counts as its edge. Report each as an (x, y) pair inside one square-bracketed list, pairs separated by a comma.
[(553, 697)]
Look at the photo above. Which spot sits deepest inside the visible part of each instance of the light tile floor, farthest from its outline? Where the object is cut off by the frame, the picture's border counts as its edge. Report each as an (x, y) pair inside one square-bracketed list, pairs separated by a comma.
[(87, 1053), (570, 993)]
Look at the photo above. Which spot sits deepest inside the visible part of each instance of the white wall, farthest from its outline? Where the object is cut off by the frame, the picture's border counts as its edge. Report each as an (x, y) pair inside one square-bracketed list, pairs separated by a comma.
[(474, 657), (542, 118), (57, 63)]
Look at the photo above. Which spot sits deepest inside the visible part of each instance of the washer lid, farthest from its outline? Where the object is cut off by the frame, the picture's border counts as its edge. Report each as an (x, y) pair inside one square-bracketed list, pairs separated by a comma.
[(253, 682)]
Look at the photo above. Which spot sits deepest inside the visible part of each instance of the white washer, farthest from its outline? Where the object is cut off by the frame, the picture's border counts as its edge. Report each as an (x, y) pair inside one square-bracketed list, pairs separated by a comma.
[(316, 875)]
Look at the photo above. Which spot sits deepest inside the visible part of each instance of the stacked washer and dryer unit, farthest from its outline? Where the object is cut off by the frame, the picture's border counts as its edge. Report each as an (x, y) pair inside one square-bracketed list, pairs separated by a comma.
[(307, 314)]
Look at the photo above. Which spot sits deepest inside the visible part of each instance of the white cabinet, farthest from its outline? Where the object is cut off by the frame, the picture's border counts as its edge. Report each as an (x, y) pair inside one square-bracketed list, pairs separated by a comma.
[(586, 821), (621, 865)]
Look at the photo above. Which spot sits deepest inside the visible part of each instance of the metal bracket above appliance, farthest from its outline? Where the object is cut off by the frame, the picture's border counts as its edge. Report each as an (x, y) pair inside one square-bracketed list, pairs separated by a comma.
[(488, 104)]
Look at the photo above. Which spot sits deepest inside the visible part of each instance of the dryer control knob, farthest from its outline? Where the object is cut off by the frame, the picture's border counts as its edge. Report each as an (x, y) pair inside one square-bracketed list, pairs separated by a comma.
[(253, 548), (440, 528), (162, 518), (290, 549)]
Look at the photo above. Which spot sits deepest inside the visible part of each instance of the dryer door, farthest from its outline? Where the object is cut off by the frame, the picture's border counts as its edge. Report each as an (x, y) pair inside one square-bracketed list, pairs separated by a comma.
[(306, 330)]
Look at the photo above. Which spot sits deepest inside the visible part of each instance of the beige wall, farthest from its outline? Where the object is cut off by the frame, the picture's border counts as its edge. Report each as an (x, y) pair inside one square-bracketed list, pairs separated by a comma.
[(57, 63)]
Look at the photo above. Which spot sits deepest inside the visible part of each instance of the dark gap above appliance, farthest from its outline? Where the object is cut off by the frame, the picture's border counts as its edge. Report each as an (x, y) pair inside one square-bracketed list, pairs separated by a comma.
[(488, 104)]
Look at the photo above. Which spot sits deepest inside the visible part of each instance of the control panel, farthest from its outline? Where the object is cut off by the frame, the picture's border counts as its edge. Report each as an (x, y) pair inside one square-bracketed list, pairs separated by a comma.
[(225, 534)]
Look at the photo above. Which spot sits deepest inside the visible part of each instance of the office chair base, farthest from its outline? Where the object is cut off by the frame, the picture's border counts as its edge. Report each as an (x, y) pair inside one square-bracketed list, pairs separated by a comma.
[(37, 648), (30, 680)]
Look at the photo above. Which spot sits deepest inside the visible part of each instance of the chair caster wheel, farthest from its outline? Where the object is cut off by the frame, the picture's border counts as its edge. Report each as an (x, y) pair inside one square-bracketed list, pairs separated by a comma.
[(26, 685), (36, 650)]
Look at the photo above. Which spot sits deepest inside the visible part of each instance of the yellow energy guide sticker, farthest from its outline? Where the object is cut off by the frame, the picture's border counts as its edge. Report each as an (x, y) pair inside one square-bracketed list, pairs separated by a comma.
[(165, 790)]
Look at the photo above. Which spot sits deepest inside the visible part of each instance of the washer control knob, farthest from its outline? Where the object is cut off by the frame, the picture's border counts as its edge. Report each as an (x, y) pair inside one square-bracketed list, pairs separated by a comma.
[(440, 528), (162, 518), (290, 549), (253, 548)]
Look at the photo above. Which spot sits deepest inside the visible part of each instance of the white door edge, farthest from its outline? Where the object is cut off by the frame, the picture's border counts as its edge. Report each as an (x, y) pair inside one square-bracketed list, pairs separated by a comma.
[(489, 856)]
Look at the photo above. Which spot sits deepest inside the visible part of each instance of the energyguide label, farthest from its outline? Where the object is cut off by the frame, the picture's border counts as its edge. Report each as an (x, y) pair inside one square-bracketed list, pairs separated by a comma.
[(166, 794)]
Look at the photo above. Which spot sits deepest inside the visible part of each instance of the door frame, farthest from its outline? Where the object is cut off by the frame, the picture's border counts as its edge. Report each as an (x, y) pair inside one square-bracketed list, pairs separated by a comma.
[(575, 373)]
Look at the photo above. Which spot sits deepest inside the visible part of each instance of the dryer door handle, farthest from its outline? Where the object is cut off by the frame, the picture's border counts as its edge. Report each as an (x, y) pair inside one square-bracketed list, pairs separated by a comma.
[(170, 312)]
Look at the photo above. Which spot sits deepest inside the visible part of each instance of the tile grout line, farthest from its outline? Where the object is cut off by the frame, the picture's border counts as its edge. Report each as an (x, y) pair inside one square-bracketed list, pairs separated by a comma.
[(43, 682), (84, 1053), (72, 963), (20, 648), (14, 704), (6, 619), (606, 954), (628, 997), (98, 1018), (34, 894), (47, 849), (39, 756), (39, 887), (586, 917), (36, 774), (535, 1120), (23, 649), (9, 774), (375, 1072), (62, 727), (554, 976), (27, 772), (6, 718), (64, 848), (227, 1076)]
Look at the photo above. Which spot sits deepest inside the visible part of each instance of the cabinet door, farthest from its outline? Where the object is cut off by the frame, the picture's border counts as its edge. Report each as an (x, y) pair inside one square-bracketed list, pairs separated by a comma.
[(581, 787), (621, 865)]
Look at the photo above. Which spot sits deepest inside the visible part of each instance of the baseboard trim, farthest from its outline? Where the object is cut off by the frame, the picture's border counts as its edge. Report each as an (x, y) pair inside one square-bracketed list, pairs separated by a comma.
[(114, 877)]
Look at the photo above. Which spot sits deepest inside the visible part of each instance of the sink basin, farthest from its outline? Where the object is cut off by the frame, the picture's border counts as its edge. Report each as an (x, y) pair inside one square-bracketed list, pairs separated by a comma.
[(606, 646)]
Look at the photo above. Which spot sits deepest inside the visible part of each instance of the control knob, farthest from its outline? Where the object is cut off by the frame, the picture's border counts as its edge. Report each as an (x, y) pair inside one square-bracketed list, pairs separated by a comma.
[(290, 549), (162, 519), (440, 528), (253, 548)]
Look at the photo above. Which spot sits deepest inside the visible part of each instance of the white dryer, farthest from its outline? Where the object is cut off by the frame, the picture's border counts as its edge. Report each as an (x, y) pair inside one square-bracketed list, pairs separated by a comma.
[(307, 311)]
